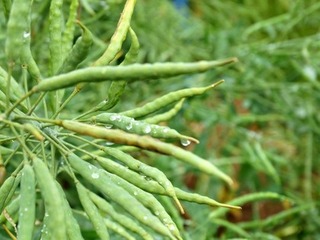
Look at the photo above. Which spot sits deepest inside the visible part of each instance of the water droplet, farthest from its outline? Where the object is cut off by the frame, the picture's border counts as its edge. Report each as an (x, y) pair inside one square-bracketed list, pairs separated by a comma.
[(164, 220), (185, 142), (157, 213), (145, 218), (26, 209), (90, 167), (26, 34), (114, 117), (95, 175), (108, 126), (109, 143), (129, 126), (165, 130), (171, 227), (135, 193), (147, 129)]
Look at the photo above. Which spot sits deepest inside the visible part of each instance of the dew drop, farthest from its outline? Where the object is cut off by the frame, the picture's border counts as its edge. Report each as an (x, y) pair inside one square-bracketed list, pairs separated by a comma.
[(147, 129), (135, 193), (185, 142), (165, 130), (114, 117), (108, 126), (26, 209), (145, 218), (26, 34), (129, 126), (109, 143), (95, 175), (171, 227), (157, 213)]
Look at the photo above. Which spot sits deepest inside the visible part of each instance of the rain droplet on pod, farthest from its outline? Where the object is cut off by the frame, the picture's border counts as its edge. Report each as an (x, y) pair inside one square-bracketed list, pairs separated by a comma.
[(95, 175), (26, 34), (147, 129), (185, 142)]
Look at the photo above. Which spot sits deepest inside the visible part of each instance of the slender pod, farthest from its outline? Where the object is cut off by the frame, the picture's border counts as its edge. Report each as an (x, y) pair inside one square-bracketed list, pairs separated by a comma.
[(166, 115), (52, 200), (144, 142), (7, 190), (125, 221), (68, 33), (132, 72), (10, 212), (119, 35), (27, 208), (117, 228), (140, 127), (92, 212), (18, 91), (55, 29), (116, 88), (149, 201), (138, 180), (73, 228), (78, 52), (17, 29), (167, 99), (102, 182), (26, 55)]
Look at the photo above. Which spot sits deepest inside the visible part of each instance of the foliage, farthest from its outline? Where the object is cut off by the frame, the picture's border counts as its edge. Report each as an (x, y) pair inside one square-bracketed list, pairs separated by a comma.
[(261, 126)]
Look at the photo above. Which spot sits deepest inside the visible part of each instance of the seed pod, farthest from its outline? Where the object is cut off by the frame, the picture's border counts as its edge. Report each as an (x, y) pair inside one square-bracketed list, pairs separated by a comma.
[(125, 221), (167, 115), (73, 228), (55, 217), (68, 33), (78, 52), (55, 29), (149, 201), (27, 204), (119, 35), (7, 190), (118, 229), (166, 100), (131, 125), (117, 87), (132, 72), (92, 212), (17, 29), (10, 212), (144, 142), (102, 182)]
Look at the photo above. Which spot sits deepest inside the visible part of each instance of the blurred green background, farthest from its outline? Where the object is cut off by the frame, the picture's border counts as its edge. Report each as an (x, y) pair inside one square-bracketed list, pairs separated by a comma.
[(261, 126)]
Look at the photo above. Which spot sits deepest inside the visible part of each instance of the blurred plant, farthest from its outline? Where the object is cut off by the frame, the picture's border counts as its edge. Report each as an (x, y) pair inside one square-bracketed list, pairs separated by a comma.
[(71, 167)]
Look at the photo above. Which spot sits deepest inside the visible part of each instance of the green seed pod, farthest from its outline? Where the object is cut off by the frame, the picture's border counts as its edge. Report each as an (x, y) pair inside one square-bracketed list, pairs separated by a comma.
[(101, 181), (68, 33), (7, 190), (144, 142), (117, 87), (119, 35), (27, 208), (92, 212), (166, 100), (167, 115), (17, 29), (149, 201), (125, 221), (55, 216), (73, 228), (132, 72), (78, 52), (55, 30), (10, 212), (118, 229), (131, 125)]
